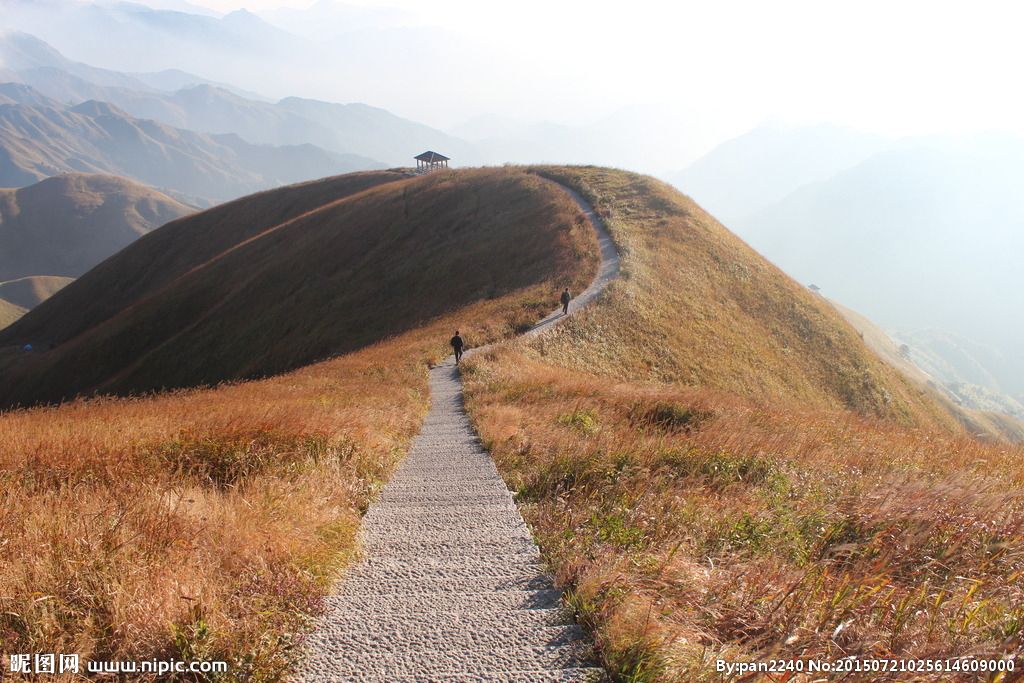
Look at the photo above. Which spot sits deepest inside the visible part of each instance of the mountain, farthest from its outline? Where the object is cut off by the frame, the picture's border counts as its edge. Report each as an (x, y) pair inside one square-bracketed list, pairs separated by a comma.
[(184, 100), (9, 312), (923, 236), (761, 167), (65, 225), (286, 277), (22, 52), (146, 38), (29, 292), (351, 128), (970, 369), (40, 138)]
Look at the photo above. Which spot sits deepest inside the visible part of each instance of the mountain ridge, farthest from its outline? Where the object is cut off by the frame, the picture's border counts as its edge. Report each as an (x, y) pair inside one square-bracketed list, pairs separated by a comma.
[(44, 138)]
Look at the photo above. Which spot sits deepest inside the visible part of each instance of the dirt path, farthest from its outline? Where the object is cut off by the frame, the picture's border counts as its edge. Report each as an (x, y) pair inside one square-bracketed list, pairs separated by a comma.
[(451, 587)]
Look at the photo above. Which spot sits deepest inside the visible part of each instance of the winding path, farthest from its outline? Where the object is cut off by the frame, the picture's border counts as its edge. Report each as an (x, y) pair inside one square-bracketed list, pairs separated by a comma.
[(452, 587)]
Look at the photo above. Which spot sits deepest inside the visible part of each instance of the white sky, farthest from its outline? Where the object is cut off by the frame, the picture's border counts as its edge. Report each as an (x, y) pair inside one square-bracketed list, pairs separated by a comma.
[(896, 67)]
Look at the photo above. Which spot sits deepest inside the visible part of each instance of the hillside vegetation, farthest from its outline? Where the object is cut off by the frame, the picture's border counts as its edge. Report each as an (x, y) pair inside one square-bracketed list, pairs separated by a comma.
[(718, 467), (65, 225), (323, 281), (208, 523), (9, 312), (29, 292)]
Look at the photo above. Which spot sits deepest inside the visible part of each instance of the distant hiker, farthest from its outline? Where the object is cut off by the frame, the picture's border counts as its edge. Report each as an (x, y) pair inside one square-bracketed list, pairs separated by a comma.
[(457, 345), (566, 298)]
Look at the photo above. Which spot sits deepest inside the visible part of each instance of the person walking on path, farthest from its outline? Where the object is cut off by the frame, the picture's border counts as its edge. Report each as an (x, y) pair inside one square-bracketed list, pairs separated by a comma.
[(457, 345), (566, 298)]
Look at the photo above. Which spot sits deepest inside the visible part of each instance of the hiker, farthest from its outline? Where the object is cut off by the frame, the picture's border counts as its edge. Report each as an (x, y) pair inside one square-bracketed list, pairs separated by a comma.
[(457, 344), (566, 298)]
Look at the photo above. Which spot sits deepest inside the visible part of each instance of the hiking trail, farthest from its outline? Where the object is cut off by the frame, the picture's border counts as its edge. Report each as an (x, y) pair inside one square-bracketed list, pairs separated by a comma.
[(451, 587)]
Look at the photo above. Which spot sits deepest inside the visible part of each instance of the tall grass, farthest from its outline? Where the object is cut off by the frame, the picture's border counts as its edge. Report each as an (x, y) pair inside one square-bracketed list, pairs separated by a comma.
[(718, 468), (209, 522), (725, 528)]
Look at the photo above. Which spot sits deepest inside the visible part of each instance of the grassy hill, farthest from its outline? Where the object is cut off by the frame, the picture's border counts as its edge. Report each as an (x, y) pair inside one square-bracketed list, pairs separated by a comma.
[(712, 459), (699, 307), (65, 225), (217, 296), (209, 523), (9, 312), (718, 467), (29, 292)]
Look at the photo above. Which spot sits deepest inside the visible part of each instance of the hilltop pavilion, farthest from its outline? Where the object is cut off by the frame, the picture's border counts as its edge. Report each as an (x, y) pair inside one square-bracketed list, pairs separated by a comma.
[(430, 161)]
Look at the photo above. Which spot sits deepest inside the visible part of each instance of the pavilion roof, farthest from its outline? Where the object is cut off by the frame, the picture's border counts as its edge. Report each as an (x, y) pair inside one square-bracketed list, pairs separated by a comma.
[(432, 156)]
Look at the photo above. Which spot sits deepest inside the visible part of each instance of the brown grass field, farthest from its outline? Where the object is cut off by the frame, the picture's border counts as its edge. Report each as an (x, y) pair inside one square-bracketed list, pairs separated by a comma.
[(208, 523), (713, 462), (717, 467)]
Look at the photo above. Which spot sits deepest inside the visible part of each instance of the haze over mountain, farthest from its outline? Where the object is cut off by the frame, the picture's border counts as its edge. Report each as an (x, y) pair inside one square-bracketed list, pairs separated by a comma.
[(748, 173), (40, 138), (926, 235), (380, 57), (186, 101)]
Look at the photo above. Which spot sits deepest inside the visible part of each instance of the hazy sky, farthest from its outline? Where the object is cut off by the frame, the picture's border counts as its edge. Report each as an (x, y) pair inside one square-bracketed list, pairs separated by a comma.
[(895, 67)]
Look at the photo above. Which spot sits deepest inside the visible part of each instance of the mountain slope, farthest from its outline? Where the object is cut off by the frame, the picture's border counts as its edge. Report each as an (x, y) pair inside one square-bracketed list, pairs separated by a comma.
[(719, 468), (978, 410), (214, 297), (40, 138), (700, 307), (9, 312), (65, 225), (29, 292)]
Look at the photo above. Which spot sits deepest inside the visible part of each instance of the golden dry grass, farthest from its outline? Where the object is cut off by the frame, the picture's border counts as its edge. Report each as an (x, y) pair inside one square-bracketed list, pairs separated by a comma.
[(208, 523), (718, 468)]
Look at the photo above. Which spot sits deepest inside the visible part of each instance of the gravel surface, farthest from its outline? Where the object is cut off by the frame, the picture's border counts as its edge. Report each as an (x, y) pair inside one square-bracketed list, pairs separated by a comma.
[(451, 587)]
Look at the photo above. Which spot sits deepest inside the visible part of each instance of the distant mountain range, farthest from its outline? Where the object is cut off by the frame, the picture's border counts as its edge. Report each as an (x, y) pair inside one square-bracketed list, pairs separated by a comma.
[(923, 234), (757, 169), (40, 137), (204, 106)]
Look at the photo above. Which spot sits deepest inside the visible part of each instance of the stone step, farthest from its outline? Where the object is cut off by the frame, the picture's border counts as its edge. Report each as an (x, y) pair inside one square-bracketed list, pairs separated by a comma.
[(455, 563), (503, 502), (350, 616), (435, 547), (398, 639), (443, 526), (356, 584), (467, 517), (444, 601), (331, 660), (387, 572)]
